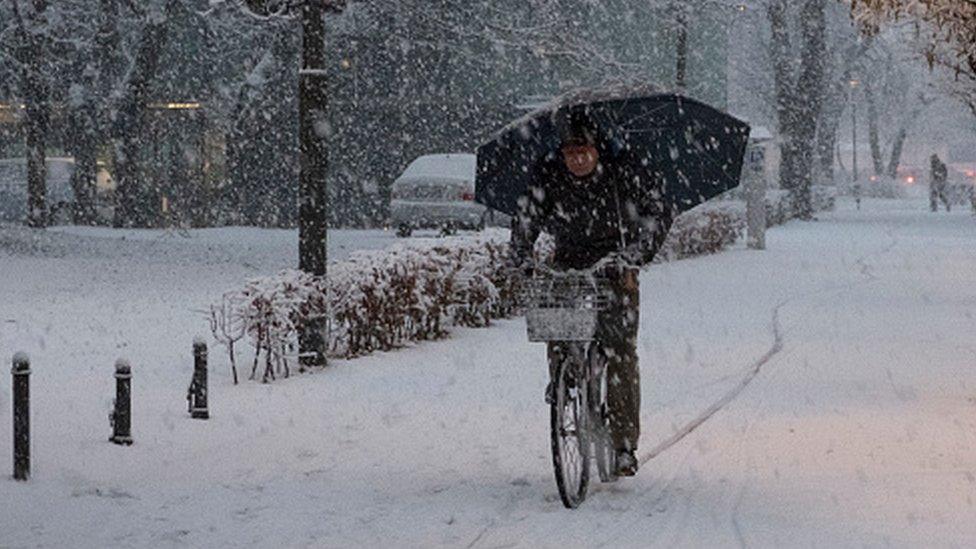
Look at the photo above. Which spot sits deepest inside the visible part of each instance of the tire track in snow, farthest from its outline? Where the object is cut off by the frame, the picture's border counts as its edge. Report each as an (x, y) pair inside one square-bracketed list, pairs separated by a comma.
[(755, 369), (481, 534), (729, 396)]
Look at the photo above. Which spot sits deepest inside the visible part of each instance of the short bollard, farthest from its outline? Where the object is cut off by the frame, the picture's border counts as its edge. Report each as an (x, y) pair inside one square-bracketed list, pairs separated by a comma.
[(196, 395), (121, 416), (21, 386)]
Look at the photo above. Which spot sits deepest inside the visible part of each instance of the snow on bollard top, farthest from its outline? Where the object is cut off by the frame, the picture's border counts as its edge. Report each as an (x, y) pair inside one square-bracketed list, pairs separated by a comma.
[(199, 346), (123, 367), (21, 364)]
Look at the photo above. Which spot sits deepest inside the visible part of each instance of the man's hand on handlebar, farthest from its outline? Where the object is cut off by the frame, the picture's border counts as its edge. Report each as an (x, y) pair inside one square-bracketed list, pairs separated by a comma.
[(522, 269), (636, 256)]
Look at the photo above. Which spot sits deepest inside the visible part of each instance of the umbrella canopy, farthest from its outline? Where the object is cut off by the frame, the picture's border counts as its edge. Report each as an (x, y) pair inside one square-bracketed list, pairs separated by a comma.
[(695, 150)]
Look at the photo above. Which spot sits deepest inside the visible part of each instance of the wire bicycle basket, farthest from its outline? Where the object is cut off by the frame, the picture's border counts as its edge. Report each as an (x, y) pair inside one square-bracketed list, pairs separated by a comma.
[(564, 306)]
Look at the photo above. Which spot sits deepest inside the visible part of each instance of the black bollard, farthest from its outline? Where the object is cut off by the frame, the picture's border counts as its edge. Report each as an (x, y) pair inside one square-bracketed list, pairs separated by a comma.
[(121, 417), (197, 394), (21, 386)]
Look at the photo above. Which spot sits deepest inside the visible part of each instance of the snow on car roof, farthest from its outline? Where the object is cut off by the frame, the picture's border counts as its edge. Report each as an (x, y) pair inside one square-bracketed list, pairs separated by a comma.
[(449, 166)]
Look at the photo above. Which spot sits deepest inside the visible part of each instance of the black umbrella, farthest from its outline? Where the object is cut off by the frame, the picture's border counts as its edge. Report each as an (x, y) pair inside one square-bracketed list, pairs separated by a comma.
[(695, 149)]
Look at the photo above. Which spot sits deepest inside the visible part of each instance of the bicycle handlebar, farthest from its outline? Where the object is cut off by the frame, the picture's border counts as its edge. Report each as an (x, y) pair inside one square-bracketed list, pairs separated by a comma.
[(613, 260)]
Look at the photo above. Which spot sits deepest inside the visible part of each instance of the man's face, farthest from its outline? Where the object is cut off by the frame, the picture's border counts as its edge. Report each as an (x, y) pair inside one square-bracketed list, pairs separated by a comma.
[(581, 160)]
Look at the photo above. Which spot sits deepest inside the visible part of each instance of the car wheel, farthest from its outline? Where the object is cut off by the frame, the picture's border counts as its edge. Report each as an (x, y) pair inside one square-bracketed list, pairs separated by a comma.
[(483, 223), (449, 229), (404, 230)]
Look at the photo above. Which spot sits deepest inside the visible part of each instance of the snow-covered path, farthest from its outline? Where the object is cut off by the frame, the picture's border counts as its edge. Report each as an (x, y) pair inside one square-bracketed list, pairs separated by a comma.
[(825, 388)]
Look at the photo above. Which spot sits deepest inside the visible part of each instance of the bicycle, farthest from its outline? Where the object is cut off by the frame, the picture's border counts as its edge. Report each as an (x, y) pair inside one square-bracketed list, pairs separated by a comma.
[(563, 308)]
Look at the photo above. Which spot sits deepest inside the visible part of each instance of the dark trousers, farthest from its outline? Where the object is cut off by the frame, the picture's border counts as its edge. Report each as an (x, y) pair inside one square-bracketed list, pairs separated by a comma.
[(617, 338), (936, 194)]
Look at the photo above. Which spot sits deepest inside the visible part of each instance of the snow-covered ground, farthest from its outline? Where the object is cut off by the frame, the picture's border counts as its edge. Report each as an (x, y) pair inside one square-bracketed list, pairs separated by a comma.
[(826, 388)]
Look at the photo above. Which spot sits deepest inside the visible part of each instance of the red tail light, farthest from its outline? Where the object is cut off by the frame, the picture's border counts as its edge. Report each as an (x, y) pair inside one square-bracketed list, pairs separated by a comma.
[(467, 196)]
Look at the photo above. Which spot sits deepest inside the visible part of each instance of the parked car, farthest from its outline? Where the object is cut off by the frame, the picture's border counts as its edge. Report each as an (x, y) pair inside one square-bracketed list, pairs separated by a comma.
[(437, 192), (13, 189)]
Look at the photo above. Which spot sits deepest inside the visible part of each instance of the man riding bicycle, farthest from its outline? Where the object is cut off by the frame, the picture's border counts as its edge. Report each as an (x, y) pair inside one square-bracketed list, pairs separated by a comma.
[(586, 197)]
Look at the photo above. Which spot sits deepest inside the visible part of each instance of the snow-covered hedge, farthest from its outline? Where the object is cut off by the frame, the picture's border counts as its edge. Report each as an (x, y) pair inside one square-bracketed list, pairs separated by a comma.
[(411, 292), (373, 301), (382, 300), (704, 231)]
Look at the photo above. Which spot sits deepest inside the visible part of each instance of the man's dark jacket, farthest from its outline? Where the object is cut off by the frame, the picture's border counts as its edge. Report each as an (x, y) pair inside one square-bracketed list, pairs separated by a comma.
[(608, 211)]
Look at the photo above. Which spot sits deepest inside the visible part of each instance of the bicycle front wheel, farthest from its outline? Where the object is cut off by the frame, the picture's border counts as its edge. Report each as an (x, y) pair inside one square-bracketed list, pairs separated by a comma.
[(568, 427), (599, 421)]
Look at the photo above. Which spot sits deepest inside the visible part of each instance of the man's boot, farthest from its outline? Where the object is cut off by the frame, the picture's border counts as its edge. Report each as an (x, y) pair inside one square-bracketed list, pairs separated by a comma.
[(627, 463)]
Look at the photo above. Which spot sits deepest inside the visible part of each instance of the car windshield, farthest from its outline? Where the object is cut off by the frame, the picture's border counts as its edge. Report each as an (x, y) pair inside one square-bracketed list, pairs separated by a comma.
[(450, 166)]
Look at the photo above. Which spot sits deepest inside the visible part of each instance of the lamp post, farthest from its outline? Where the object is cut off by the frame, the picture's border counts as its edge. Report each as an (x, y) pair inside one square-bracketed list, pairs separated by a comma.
[(313, 132)]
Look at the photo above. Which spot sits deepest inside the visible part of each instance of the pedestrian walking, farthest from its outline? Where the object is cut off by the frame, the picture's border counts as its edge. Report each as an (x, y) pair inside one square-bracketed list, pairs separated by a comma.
[(938, 184)]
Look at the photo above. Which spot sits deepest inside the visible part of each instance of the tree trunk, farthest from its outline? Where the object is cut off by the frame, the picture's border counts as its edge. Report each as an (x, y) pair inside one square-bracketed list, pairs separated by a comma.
[(83, 146), (784, 81), (827, 134), (313, 128), (86, 118), (38, 113), (86, 167), (828, 128), (36, 89), (242, 191), (681, 53), (899, 143), (874, 137), (896, 150), (810, 92), (132, 208)]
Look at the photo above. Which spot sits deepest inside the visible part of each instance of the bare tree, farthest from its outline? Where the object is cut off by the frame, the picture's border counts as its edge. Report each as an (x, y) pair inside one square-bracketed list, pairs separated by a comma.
[(946, 25), (895, 94)]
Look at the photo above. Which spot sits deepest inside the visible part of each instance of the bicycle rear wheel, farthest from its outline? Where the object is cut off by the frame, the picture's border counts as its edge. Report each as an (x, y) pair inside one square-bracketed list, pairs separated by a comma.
[(568, 429)]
